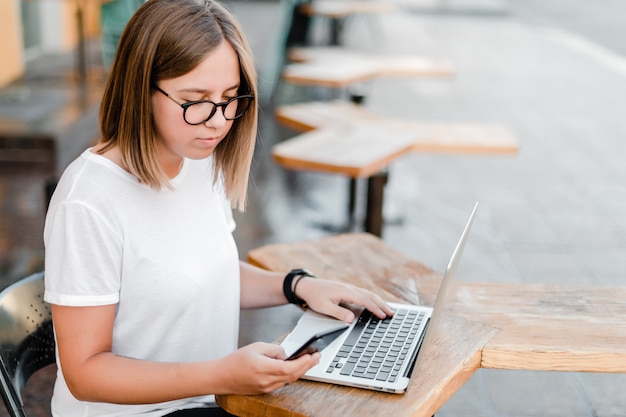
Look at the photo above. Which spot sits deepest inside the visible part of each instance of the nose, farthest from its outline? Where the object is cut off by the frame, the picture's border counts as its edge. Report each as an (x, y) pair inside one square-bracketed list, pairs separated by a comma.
[(218, 120)]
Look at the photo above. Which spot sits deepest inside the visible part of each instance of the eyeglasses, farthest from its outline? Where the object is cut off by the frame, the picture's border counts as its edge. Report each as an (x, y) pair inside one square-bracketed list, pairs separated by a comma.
[(201, 111)]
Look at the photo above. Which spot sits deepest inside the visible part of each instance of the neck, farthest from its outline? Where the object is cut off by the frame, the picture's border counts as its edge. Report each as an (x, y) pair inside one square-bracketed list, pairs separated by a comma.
[(172, 168)]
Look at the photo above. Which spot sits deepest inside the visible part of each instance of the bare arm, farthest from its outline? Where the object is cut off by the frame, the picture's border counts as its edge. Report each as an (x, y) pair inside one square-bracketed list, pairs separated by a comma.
[(94, 373), (261, 288)]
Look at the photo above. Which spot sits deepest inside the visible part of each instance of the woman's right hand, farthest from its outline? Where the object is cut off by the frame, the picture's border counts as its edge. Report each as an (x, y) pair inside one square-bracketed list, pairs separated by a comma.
[(260, 368)]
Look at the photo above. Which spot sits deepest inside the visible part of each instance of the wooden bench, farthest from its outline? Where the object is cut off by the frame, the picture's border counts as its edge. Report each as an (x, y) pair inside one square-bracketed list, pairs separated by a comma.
[(499, 326), (345, 138)]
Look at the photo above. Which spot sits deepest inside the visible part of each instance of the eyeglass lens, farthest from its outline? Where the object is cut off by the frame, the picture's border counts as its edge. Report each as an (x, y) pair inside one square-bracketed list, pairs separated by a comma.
[(200, 112)]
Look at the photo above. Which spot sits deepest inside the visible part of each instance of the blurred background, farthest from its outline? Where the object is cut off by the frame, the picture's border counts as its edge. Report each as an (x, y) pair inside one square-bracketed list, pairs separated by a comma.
[(552, 72)]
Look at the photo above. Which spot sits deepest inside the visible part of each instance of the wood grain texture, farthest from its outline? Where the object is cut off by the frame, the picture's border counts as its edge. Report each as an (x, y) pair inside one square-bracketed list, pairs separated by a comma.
[(360, 259), (549, 327)]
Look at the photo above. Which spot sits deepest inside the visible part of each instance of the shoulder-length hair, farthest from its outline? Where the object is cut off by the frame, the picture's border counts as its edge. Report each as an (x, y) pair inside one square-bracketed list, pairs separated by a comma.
[(166, 39)]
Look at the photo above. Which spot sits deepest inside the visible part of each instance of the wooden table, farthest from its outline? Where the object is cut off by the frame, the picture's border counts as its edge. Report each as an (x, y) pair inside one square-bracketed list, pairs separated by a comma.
[(502, 326), (337, 67), (347, 139)]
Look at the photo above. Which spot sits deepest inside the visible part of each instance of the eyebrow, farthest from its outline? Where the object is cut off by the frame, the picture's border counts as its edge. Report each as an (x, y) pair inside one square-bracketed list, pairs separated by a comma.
[(203, 91)]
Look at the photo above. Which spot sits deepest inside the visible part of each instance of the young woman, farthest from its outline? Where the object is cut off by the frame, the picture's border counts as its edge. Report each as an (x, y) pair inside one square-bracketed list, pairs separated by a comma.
[(142, 270)]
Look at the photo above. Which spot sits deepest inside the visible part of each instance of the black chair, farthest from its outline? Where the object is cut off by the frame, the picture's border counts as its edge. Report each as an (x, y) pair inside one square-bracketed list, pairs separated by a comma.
[(26, 338)]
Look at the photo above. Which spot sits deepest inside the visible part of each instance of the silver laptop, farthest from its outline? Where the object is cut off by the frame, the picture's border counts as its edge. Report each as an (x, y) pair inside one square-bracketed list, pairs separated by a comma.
[(372, 353)]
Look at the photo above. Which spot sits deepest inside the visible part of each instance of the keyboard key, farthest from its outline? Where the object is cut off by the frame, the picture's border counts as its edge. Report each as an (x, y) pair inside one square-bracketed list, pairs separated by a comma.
[(347, 369), (382, 376)]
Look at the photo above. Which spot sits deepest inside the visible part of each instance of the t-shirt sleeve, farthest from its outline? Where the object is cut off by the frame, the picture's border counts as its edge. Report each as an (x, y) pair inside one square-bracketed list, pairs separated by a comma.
[(83, 257)]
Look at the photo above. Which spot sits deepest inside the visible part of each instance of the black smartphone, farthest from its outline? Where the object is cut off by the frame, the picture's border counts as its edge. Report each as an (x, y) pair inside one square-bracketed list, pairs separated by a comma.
[(317, 342)]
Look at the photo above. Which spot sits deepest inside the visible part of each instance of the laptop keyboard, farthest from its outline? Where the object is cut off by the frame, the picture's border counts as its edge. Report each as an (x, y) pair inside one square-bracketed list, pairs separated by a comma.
[(376, 349)]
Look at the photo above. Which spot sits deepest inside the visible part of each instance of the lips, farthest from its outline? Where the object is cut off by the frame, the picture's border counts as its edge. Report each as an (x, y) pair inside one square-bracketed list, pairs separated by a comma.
[(209, 139)]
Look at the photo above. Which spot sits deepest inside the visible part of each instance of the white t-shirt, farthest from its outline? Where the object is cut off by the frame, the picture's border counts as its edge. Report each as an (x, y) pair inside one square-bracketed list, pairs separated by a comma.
[(167, 259)]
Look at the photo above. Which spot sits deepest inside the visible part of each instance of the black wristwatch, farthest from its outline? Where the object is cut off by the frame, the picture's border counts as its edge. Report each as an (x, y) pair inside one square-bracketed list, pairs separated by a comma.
[(289, 288)]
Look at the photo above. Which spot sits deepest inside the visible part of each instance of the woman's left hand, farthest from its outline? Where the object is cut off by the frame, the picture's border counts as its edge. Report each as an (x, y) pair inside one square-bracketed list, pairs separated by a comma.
[(325, 296)]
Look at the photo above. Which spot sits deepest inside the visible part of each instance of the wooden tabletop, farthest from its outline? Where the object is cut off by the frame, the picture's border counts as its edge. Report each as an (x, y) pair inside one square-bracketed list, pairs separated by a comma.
[(345, 138), (358, 151), (453, 137), (504, 326), (340, 67)]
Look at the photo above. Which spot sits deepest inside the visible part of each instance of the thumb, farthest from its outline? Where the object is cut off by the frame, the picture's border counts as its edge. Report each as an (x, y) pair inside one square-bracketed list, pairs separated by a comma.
[(273, 351)]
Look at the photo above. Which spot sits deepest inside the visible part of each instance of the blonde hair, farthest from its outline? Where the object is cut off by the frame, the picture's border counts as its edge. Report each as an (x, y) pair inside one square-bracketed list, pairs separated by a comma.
[(166, 39)]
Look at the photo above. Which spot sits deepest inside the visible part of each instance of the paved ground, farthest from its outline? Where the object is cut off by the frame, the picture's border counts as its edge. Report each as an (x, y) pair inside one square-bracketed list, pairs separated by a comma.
[(556, 213)]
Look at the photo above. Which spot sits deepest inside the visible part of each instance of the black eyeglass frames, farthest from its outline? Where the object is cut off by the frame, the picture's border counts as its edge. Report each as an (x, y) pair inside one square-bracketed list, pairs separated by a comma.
[(201, 111)]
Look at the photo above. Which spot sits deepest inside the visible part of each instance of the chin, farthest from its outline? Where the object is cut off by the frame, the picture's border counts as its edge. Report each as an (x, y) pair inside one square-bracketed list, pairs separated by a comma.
[(203, 154)]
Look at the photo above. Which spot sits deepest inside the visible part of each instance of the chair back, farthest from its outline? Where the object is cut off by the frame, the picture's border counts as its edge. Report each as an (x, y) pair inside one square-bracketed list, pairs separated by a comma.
[(26, 338)]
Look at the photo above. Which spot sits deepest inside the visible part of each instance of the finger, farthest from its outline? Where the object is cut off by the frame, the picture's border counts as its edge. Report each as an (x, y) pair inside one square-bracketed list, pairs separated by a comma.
[(276, 352), (371, 302), (282, 356), (380, 308), (337, 311), (289, 371), (375, 304), (303, 363)]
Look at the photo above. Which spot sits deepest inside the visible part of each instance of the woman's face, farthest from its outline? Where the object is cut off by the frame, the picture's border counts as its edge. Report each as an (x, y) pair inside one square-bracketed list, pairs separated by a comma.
[(216, 79)]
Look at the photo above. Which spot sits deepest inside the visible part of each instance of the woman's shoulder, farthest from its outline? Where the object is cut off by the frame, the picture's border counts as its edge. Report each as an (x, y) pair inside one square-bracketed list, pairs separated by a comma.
[(92, 175)]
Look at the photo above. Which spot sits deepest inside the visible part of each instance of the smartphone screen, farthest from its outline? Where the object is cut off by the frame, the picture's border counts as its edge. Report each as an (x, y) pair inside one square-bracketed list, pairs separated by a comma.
[(317, 343)]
